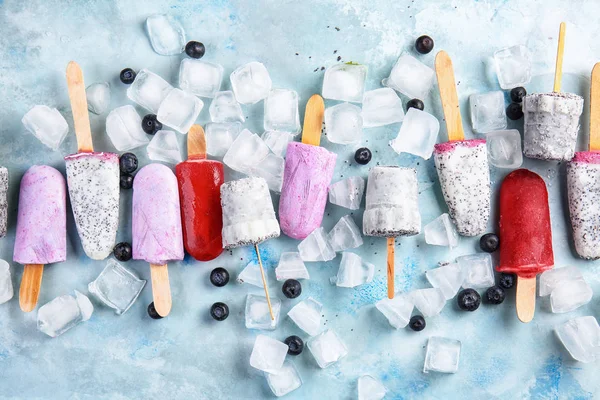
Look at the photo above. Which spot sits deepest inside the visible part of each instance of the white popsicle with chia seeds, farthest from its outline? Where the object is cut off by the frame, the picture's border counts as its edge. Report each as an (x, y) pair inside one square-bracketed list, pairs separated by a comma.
[(3, 201)]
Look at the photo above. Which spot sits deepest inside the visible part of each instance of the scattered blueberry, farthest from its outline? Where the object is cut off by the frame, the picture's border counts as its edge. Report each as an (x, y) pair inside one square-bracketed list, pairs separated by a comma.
[(495, 295), (219, 277), (424, 44), (417, 323), (514, 111), (127, 76), (506, 281), (295, 345), (489, 242), (363, 156), (122, 251), (126, 181), (152, 312), (194, 49), (219, 311), (291, 288), (468, 300), (151, 125), (518, 94), (415, 103), (128, 163)]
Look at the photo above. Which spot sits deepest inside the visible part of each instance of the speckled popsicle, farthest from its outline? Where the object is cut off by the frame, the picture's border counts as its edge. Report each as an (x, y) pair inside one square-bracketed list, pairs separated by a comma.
[(3, 201)]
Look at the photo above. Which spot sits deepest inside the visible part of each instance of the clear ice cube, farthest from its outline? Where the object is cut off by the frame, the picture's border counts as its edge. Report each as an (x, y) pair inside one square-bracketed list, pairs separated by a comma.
[(251, 83), (504, 149), (47, 125), (478, 270), (570, 295), (370, 388), (347, 193), (251, 275), (343, 123), (98, 97), (442, 355), (281, 111), (179, 110), (581, 338), (164, 147), (270, 169), (353, 271), (513, 66), (200, 78), (268, 354), (225, 108), (345, 235), (410, 77), (327, 348), (429, 301), (307, 315), (418, 134), (117, 287), (220, 137), (441, 232), (316, 247), (551, 278), (285, 380), (6, 286), (278, 141), (488, 111), (63, 313), (124, 128), (381, 107), (166, 34), (148, 90), (447, 278), (246, 152), (397, 310), (345, 82), (257, 312), (291, 266)]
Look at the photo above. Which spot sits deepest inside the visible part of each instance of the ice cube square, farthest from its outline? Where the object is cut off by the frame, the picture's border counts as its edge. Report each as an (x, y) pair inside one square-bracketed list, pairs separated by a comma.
[(124, 128), (316, 247), (410, 77), (225, 108), (291, 266), (281, 111), (581, 338), (179, 110), (570, 295), (488, 111), (381, 107), (251, 83), (278, 141), (552, 278), (429, 301), (418, 134), (307, 315), (353, 271), (327, 348), (442, 355), (220, 136), (347, 193), (345, 235), (166, 34), (268, 354), (441, 232), (6, 286), (246, 152), (478, 270), (251, 275), (257, 312), (343, 123), (513, 66), (370, 388), (117, 287), (447, 278), (285, 380), (63, 313), (270, 169), (98, 97), (164, 147), (504, 148), (200, 78), (47, 125), (345, 82), (396, 310), (148, 90)]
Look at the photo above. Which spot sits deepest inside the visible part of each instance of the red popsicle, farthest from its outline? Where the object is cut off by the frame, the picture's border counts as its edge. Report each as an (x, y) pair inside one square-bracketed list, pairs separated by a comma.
[(200, 183), (525, 235)]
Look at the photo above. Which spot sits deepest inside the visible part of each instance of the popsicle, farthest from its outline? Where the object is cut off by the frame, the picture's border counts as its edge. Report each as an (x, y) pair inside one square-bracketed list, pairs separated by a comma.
[(156, 228), (306, 177), (200, 183), (392, 209), (552, 119), (462, 165), (3, 201), (525, 235), (41, 236), (92, 178)]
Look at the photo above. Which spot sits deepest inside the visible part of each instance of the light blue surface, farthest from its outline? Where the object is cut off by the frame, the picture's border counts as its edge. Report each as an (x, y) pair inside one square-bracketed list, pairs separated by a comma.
[(187, 355)]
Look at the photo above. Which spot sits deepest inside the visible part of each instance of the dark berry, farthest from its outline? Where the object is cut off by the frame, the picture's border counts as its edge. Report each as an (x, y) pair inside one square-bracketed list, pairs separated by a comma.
[(506, 281), (514, 111), (295, 345), (122, 251), (219, 277), (219, 311), (127, 76), (495, 295), (424, 44), (128, 163), (152, 312), (417, 323), (151, 125), (363, 156), (415, 103), (468, 300), (518, 94), (489, 242), (126, 181), (194, 49), (291, 288)]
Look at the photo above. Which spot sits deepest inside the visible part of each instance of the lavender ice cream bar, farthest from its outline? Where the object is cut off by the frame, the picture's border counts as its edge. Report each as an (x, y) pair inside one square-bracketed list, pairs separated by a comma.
[(3, 201), (392, 207), (93, 182), (464, 174), (551, 125)]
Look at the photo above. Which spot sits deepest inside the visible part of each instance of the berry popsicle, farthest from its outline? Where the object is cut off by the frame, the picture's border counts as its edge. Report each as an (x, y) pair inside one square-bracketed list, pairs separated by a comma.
[(462, 165), (200, 183), (41, 236), (3, 201), (156, 228), (525, 235), (306, 178), (92, 178)]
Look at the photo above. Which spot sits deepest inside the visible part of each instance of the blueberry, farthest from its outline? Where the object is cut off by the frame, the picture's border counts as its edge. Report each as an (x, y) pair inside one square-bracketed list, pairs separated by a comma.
[(489, 242), (468, 300), (152, 312), (415, 103), (219, 311), (127, 76), (126, 181), (194, 49), (151, 125), (514, 111), (518, 94), (219, 277), (495, 295), (506, 281), (291, 288), (424, 44), (128, 163), (363, 156), (417, 323), (295, 345), (122, 251)]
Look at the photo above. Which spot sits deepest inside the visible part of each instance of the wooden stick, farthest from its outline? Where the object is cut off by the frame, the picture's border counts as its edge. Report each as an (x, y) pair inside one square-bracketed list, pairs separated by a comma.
[(559, 57), (161, 290), (447, 85), (264, 279), (390, 267), (30, 286), (196, 143), (595, 109), (79, 107), (313, 120), (525, 298)]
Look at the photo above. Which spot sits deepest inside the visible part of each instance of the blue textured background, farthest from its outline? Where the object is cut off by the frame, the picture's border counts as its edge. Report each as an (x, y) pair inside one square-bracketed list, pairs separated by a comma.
[(187, 355)]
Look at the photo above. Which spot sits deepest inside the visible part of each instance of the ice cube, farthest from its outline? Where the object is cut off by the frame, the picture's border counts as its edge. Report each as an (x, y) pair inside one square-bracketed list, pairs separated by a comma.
[(370, 388), (581, 338), (277, 141), (396, 310), (429, 301), (417, 134), (347, 193), (220, 136), (345, 235), (570, 295), (441, 232), (166, 34), (343, 123), (63, 313), (270, 169), (268, 354), (550, 279), (6, 287), (291, 266), (307, 315), (345, 82), (316, 247), (447, 278), (164, 147), (285, 380), (504, 148), (257, 312), (179, 110), (513, 66), (98, 97), (124, 128), (246, 152), (478, 270), (488, 111), (199, 77), (117, 287), (281, 111), (225, 108), (47, 125), (148, 90), (381, 107), (327, 348), (251, 83), (251, 275), (85, 306), (442, 355), (410, 77), (353, 271)]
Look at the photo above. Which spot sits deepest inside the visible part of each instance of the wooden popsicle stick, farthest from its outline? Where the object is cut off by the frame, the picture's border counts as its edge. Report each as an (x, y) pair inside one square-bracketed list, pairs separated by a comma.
[(447, 85), (390, 267), (264, 279), (595, 109), (30, 286), (79, 107), (313, 120), (196, 142), (559, 57), (161, 289), (525, 298)]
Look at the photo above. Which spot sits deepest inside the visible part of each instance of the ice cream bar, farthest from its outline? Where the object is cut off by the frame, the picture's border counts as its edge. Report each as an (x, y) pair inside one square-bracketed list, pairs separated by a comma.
[(3, 201)]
